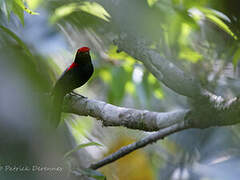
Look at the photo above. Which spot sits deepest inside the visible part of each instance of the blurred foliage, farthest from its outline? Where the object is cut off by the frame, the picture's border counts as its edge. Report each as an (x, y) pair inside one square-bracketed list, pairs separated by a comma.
[(201, 37), (79, 147), (134, 166), (24, 132), (93, 174), (17, 7)]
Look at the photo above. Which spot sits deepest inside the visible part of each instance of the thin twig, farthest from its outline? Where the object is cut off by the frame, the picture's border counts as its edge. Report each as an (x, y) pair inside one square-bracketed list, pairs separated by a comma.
[(139, 144)]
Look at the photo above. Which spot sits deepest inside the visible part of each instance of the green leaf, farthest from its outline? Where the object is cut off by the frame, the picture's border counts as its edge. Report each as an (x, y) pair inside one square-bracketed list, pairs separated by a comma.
[(16, 38), (24, 8), (95, 9), (214, 12), (236, 58), (221, 24), (105, 75), (190, 55), (18, 10), (92, 173), (151, 79), (91, 8), (190, 3), (216, 17), (79, 147), (174, 29), (33, 4), (9, 7), (117, 86), (130, 88), (158, 93), (151, 2), (63, 11)]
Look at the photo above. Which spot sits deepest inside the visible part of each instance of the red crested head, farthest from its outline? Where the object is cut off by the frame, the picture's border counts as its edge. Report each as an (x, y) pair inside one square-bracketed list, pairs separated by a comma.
[(82, 55), (83, 49)]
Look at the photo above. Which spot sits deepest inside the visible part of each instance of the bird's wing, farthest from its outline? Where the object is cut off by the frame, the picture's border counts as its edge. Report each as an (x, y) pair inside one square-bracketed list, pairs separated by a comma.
[(63, 79)]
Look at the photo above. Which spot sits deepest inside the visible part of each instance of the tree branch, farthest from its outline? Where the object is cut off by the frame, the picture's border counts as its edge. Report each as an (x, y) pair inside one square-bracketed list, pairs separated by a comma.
[(139, 144), (163, 69), (111, 115), (210, 110)]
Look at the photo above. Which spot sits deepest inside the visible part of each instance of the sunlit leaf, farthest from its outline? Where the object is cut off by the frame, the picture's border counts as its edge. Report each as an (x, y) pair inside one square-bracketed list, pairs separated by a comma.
[(112, 53), (221, 24), (196, 14), (130, 88), (33, 4), (186, 30), (105, 75), (129, 61), (189, 54), (190, 3), (21, 4), (158, 94), (214, 16), (214, 12), (63, 11), (151, 79), (95, 9), (18, 10), (29, 11), (91, 8), (151, 2), (79, 147)]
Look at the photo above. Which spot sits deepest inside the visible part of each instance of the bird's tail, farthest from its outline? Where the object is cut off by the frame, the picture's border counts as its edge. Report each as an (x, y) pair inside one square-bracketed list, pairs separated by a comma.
[(57, 102)]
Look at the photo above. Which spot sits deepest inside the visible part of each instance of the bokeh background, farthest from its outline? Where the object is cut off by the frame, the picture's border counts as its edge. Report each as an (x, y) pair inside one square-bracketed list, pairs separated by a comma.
[(38, 40)]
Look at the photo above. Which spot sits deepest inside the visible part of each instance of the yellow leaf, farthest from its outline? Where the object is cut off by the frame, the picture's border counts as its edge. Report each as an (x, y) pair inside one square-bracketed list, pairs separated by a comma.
[(134, 166)]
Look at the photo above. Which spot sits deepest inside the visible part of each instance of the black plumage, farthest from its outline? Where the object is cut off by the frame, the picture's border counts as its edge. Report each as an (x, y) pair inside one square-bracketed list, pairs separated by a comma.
[(73, 77)]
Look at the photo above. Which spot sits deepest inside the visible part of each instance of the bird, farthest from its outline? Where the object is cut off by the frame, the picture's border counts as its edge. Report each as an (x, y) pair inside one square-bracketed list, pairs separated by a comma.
[(76, 75)]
